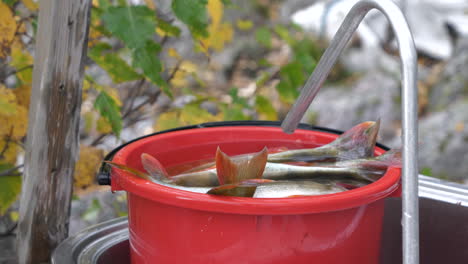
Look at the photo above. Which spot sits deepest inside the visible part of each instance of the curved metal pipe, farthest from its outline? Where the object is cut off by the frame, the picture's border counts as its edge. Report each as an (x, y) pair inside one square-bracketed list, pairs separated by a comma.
[(410, 214)]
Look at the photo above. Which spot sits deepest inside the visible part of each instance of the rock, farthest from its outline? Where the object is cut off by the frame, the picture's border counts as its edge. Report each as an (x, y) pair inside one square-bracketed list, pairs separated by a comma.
[(443, 146), (8, 250), (375, 96), (96, 207), (8, 229), (453, 83)]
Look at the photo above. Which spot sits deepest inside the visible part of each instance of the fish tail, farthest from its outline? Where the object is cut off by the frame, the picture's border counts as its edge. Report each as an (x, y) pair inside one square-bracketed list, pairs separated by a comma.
[(244, 188), (391, 158), (357, 142), (128, 169), (154, 167), (233, 170)]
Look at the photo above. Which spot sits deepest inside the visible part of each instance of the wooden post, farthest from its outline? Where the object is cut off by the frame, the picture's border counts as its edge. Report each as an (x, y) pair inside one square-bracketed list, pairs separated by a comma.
[(52, 139)]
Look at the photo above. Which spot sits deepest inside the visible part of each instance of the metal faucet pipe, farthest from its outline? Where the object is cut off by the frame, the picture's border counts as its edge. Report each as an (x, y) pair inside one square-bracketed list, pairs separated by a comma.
[(408, 56)]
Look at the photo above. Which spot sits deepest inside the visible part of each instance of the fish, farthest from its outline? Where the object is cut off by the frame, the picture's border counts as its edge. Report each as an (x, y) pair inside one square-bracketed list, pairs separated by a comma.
[(156, 180), (357, 142), (370, 169), (344, 164), (283, 189), (256, 188)]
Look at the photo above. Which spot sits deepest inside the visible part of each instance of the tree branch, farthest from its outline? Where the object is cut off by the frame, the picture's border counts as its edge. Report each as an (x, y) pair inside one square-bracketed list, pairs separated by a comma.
[(8, 172), (9, 231)]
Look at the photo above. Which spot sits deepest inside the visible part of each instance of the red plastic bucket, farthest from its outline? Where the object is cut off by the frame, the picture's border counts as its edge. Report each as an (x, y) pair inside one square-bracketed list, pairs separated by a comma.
[(170, 226)]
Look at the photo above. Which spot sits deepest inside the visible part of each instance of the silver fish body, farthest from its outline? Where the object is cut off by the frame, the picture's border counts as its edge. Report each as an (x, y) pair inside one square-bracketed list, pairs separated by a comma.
[(282, 189), (277, 189), (273, 171)]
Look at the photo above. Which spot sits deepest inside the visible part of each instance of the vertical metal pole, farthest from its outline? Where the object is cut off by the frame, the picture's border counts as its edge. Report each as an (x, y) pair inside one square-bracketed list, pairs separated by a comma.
[(410, 214)]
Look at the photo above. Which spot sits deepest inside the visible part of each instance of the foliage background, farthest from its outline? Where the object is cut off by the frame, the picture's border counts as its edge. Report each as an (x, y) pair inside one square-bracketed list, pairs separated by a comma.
[(154, 64)]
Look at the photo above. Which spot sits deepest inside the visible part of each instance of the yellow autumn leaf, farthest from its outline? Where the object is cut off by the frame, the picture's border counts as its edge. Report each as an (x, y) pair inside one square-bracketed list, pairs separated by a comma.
[(114, 93), (14, 125), (103, 126), (10, 151), (88, 118), (173, 53), (186, 69), (85, 89), (93, 36), (30, 4), (14, 216), (150, 4), (22, 61), (23, 95), (244, 25), (167, 120), (7, 29), (87, 165), (160, 32), (215, 10), (219, 33), (7, 102), (189, 115)]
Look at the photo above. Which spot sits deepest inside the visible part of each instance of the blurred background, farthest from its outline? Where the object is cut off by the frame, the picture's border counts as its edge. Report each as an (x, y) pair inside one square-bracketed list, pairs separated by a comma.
[(154, 65)]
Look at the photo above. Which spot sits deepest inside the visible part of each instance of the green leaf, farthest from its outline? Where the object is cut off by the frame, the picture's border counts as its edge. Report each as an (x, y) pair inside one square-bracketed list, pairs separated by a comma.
[(283, 32), (10, 2), (264, 77), (104, 4), (109, 109), (147, 59), (168, 28), (234, 113), (292, 77), (426, 171), (193, 14), (134, 25), (10, 187), (117, 68), (265, 108), (263, 36), (34, 23), (233, 92)]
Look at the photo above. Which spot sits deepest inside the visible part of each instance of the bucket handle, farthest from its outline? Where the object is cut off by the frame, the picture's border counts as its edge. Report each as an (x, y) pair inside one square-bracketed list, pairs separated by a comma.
[(408, 56)]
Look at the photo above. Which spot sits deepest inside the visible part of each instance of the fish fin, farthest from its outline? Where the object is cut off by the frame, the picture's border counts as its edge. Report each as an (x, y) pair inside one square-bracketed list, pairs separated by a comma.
[(128, 169), (256, 165), (244, 188), (391, 158), (297, 196), (154, 167), (347, 186), (226, 169), (357, 142), (234, 170)]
